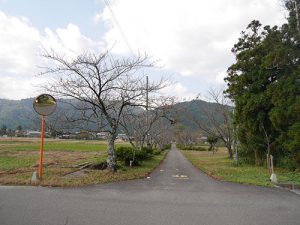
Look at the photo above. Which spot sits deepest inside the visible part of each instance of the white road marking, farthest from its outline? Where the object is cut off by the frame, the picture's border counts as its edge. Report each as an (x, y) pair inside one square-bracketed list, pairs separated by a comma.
[(184, 177)]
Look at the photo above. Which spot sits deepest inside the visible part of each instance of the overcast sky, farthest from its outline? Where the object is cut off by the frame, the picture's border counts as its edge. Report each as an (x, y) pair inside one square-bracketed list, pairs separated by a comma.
[(191, 39)]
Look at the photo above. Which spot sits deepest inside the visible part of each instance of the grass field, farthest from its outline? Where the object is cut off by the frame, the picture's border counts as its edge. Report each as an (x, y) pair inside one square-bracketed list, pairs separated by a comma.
[(220, 167), (19, 158)]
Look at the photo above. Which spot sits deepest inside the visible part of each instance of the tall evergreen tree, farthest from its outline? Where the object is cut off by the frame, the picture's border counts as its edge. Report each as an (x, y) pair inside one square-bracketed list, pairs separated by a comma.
[(264, 83)]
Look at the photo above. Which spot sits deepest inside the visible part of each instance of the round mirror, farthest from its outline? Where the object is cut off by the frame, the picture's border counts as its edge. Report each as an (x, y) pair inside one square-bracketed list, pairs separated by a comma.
[(44, 104)]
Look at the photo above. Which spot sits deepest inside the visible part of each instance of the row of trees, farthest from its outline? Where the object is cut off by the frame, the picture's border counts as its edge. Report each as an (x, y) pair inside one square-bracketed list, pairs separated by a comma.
[(10, 132), (264, 84), (151, 128), (212, 120)]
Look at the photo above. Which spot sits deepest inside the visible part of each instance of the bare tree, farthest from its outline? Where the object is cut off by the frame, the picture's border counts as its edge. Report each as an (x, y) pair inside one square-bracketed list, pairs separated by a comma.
[(212, 143), (142, 125), (219, 120), (186, 136), (161, 131), (101, 87)]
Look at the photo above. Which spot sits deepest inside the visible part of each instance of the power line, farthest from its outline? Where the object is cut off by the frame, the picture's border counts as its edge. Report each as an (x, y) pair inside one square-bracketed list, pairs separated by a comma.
[(107, 3)]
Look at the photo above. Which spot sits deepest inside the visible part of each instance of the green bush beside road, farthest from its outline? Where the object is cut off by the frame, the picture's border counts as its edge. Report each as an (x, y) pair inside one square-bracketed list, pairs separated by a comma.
[(192, 147), (125, 154)]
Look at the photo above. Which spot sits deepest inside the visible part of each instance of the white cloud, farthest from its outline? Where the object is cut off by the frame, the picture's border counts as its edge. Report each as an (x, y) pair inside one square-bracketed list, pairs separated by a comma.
[(20, 45), (220, 77), (69, 40), (179, 91), (18, 87), (190, 37)]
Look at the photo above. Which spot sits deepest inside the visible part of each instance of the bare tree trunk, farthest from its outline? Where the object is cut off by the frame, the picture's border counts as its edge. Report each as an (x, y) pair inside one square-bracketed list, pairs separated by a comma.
[(230, 153), (111, 159), (256, 157)]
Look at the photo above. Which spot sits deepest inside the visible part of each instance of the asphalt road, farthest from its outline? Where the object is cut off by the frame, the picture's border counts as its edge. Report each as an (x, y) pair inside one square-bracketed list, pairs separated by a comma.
[(175, 193)]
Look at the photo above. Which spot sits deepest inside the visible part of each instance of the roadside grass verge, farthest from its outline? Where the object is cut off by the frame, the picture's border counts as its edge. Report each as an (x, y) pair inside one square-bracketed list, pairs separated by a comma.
[(103, 176), (222, 168), (19, 158)]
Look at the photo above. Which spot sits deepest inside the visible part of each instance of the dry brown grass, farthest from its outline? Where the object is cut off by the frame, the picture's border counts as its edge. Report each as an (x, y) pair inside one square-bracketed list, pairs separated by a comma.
[(19, 158)]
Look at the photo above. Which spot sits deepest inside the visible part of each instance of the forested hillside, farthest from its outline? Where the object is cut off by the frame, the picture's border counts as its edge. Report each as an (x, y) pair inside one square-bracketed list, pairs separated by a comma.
[(20, 112), (17, 112)]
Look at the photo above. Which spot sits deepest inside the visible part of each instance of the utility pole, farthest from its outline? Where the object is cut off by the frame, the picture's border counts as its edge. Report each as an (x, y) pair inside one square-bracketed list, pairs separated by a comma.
[(147, 90), (147, 108), (235, 143)]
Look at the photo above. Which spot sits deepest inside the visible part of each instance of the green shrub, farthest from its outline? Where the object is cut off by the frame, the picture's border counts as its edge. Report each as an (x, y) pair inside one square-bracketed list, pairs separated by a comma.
[(142, 155), (288, 163), (148, 150), (127, 154), (199, 148), (157, 152), (165, 147), (191, 147)]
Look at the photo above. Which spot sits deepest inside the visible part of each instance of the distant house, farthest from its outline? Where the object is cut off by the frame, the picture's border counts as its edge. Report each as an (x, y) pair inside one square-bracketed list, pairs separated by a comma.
[(122, 137), (64, 136), (20, 133), (204, 140), (32, 133), (84, 135), (102, 135)]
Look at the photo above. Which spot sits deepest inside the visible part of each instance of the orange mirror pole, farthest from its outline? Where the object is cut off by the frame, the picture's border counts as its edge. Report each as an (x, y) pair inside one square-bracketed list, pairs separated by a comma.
[(42, 148)]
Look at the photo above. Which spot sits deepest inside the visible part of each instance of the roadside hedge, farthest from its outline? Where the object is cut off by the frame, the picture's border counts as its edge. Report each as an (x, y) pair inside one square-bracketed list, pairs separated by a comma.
[(126, 154), (191, 147)]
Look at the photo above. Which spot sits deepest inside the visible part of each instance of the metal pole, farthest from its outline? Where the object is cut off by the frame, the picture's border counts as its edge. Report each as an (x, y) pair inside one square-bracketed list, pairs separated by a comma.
[(42, 148), (147, 108), (147, 90), (235, 147)]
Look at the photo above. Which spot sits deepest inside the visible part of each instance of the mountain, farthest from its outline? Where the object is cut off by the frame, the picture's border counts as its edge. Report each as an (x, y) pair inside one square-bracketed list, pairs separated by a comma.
[(17, 112), (199, 110), (21, 112)]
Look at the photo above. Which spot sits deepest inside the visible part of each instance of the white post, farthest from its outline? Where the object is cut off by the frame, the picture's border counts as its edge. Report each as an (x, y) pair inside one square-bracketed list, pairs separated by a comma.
[(272, 169), (273, 177)]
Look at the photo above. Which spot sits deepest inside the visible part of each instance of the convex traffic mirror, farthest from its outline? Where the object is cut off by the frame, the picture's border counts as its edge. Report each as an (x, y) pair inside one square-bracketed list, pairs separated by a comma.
[(44, 104)]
